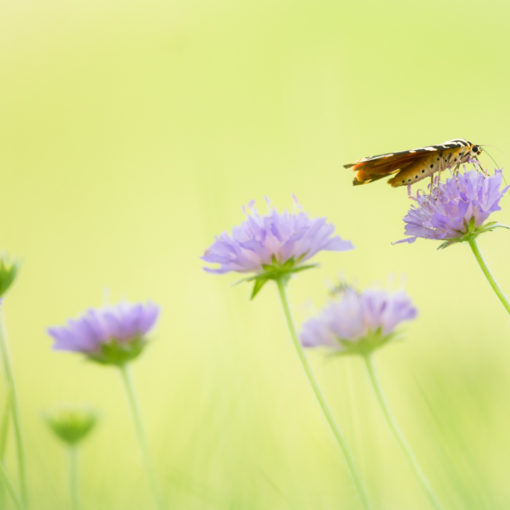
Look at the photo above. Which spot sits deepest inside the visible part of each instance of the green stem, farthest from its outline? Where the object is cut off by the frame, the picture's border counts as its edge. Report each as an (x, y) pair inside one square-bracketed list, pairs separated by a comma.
[(4, 432), (4, 426), (73, 476), (135, 411), (14, 410), (4, 477), (320, 398), (399, 436), (486, 271)]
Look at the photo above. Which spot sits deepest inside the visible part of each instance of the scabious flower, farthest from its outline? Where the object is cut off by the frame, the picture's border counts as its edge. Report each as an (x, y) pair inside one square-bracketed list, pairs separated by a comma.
[(455, 210), (110, 335), (358, 322), (272, 246)]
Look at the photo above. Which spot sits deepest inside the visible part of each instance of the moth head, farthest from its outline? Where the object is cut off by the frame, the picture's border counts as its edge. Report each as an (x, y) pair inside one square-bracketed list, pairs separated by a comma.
[(476, 149)]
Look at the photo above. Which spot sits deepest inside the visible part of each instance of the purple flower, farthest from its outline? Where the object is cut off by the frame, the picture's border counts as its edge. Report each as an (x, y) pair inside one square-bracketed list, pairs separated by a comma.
[(273, 246), (111, 335), (456, 209), (358, 322)]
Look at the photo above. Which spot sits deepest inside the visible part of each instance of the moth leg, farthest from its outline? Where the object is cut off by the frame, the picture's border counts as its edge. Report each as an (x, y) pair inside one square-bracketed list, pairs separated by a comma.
[(410, 195), (435, 180), (479, 167)]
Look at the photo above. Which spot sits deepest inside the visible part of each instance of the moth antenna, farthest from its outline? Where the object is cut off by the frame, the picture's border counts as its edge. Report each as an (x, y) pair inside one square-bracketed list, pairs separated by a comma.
[(490, 156), (495, 163)]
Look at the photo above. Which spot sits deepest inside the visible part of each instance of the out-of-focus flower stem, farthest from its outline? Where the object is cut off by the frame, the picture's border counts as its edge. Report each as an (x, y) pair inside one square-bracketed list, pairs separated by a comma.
[(486, 271), (73, 476), (399, 436), (320, 398), (6, 482), (4, 432), (137, 419), (14, 412)]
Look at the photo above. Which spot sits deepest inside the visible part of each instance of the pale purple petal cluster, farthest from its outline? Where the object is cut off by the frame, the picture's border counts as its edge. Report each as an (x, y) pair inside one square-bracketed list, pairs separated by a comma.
[(449, 210), (275, 236), (355, 316), (122, 323)]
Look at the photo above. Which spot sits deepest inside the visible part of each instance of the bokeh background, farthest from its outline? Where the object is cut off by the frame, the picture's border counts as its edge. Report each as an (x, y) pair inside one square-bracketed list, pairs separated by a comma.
[(132, 132)]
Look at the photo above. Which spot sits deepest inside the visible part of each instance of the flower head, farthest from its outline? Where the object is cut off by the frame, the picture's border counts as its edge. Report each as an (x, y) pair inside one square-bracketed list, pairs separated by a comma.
[(358, 322), (110, 335), (71, 423), (272, 245), (455, 210)]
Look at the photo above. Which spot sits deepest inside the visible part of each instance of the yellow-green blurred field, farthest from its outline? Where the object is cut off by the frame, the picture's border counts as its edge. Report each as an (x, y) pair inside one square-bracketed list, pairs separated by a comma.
[(132, 132)]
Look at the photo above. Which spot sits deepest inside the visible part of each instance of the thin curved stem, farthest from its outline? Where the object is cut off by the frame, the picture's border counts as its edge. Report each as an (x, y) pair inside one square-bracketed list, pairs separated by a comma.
[(486, 271), (73, 477), (4, 477), (137, 419), (399, 436), (14, 411), (320, 398), (4, 432)]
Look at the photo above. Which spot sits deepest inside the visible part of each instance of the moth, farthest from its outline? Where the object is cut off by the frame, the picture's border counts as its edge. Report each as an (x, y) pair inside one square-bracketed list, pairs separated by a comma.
[(408, 167)]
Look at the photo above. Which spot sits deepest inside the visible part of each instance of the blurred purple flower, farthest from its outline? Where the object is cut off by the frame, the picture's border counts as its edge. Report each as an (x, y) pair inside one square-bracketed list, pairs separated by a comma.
[(358, 322), (112, 334), (272, 239), (455, 209)]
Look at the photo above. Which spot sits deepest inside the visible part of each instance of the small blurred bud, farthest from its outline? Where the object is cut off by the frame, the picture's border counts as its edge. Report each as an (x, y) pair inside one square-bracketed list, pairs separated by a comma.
[(8, 271), (71, 423)]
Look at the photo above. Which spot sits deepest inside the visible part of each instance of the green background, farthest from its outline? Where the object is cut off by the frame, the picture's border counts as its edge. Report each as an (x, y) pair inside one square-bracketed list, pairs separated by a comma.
[(133, 132)]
